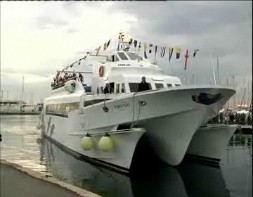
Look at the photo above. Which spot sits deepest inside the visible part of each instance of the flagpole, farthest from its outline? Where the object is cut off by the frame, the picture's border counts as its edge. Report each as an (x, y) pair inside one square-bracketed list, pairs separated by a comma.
[(214, 78)]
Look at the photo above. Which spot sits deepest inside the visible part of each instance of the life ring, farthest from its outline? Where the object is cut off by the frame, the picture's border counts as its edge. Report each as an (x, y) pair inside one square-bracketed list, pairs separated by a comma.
[(101, 71)]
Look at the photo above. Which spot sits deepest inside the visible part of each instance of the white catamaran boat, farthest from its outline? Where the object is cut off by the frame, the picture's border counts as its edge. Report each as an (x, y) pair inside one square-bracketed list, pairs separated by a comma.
[(107, 125)]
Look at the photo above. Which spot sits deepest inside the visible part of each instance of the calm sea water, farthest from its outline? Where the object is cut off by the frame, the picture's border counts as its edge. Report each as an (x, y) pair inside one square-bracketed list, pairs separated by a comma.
[(149, 176)]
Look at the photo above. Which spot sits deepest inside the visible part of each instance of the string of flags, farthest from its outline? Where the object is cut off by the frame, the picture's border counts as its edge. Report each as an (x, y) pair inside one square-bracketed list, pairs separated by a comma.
[(149, 50)]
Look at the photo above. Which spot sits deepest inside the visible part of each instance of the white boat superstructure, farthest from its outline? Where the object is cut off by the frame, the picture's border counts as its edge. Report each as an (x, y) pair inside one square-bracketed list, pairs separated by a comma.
[(169, 113)]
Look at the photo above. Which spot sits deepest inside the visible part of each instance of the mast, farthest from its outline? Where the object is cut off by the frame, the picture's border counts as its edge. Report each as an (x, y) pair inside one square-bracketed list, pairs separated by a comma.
[(22, 93), (2, 95), (233, 77), (214, 78), (218, 71)]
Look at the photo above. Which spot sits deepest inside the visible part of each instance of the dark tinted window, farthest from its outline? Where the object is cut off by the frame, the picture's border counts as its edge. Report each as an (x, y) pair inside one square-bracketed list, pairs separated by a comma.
[(92, 102), (134, 87), (122, 56), (169, 85), (132, 56), (159, 85), (177, 84)]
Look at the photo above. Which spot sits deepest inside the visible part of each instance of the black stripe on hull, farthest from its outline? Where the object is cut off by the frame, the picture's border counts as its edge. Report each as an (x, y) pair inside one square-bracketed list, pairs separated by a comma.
[(94, 161), (205, 160)]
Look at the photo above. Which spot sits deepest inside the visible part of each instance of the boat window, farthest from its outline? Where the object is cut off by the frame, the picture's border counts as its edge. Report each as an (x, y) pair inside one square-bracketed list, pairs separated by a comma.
[(117, 88), (159, 85), (134, 87), (122, 56), (169, 85), (92, 102), (132, 56), (116, 59), (122, 87), (112, 87), (61, 109), (177, 85)]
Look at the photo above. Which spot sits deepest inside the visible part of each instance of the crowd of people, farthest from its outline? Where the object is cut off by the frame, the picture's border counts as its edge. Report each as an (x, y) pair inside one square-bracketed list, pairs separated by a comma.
[(62, 77), (231, 117)]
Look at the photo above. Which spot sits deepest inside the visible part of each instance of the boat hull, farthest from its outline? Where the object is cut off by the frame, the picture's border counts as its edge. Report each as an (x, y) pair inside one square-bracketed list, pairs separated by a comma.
[(210, 142), (170, 117), (69, 136)]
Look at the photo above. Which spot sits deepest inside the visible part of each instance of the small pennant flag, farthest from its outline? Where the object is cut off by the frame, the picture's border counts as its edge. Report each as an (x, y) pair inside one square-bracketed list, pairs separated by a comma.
[(170, 53), (178, 51), (145, 55), (145, 46), (121, 36), (79, 62), (155, 53), (145, 50), (150, 48), (108, 43), (163, 51), (105, 44), (186, 59), (140, 45), (98, 49), (135, 43), (195, 52), (130, 41)]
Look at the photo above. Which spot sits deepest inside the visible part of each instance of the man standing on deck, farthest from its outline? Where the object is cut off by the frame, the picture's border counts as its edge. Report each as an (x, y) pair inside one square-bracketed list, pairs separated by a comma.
[(143, 86)]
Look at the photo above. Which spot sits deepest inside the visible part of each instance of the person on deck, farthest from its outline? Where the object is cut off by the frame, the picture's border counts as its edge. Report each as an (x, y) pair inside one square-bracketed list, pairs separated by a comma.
[(81, 77), (106, 89), (143, 86)]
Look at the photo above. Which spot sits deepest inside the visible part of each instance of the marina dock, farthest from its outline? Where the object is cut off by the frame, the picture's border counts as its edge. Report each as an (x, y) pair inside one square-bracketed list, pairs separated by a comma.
[(22, 182)]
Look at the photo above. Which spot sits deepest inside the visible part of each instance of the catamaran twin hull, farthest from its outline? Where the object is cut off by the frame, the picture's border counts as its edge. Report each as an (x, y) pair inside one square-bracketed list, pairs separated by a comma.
[(169, 116), (210, 141)]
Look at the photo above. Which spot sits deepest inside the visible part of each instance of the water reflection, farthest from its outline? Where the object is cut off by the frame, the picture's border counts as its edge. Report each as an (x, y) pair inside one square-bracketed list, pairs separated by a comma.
[(147, 178), (82, 174)]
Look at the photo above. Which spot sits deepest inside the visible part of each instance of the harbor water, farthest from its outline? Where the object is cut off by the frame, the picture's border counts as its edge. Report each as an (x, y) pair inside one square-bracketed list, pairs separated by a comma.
[(149, 176)]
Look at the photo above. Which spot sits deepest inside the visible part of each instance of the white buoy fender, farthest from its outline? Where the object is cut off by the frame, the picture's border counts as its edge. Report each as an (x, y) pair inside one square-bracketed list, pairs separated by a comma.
[(87, 142), (70, 86), (106, 144)]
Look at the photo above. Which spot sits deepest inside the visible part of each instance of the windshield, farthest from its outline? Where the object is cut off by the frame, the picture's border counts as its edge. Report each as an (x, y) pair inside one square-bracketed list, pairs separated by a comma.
[(133, 56), (122, 56)]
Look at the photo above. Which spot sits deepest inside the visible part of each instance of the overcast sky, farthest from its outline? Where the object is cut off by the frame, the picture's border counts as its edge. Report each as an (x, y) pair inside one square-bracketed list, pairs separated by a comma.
[(37, 38)]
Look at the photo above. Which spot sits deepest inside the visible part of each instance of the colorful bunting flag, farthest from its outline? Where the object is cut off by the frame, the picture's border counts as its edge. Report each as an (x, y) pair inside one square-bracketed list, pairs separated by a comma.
[(163, 51), (105, 44), (150, 48), (145, 50), (130, 41), (135, 43), (155, 53), (178, 51), (186, 59), (108, 43), (170, 53), (195, 52), (139, 46)]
